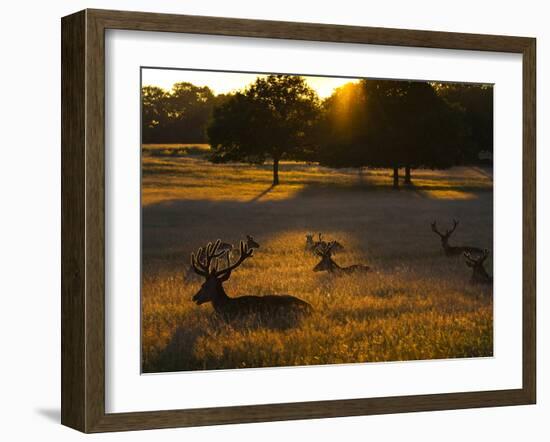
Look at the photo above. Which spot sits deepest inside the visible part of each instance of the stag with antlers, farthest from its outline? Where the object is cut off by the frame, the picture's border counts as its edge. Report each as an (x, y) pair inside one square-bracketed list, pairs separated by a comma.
[(314, 246), (479, 274), (453, 250), (265, 309), (327, 264)]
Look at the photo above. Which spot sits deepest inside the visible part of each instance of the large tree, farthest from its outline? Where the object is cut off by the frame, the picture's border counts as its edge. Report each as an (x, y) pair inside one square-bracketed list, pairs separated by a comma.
[(391, 124), (271, 119)]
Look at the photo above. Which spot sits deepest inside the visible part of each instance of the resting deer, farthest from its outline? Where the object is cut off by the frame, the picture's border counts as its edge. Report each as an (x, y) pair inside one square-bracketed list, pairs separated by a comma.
[(251, 244), (266, 308), (327, 264), (479, 274), (453, 250), (313, 246)]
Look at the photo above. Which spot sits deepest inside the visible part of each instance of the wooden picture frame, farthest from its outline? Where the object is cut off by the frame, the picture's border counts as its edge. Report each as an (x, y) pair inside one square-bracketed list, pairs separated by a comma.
[(83, 220)]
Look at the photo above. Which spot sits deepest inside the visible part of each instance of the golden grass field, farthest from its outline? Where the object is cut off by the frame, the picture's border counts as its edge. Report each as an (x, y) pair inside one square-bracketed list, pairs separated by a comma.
[(416, 304)]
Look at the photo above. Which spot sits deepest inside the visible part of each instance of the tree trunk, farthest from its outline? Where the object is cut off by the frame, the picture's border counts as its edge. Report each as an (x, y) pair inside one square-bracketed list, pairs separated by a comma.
[(408, 175), (275, 171), (396, 178)]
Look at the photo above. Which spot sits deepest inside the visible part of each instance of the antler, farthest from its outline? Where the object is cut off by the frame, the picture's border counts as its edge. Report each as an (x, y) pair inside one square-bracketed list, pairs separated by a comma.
[(469, 260), (473, 261), (434, 229), (455, 223), (203, 260), (484, 256), (245, 252), (325, 248), (448, 232)]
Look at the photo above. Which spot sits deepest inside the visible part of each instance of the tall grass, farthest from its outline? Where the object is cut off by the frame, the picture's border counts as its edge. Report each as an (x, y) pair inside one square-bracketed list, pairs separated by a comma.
[(416, 304)]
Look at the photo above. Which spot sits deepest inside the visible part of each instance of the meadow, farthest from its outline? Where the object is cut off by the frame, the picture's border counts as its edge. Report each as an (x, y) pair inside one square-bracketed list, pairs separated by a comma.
[(415, 304)]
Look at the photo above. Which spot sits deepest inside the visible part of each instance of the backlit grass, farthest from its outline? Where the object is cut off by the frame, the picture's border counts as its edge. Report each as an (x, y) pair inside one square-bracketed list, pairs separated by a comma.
[(417, 304)]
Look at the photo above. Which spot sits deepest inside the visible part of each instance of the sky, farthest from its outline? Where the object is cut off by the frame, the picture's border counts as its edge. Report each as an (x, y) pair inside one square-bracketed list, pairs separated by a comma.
[(223, 82)]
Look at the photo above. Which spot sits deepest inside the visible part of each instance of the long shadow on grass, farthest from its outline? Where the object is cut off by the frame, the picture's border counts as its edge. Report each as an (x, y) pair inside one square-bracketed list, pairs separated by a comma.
[(179, 353), (172, 230), (262, 193)]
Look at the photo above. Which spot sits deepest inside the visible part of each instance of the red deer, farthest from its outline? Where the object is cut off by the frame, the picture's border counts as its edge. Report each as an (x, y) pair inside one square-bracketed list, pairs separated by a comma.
[(479, 274), (327, 264), (268, 309), (313, 246), (453, 250)]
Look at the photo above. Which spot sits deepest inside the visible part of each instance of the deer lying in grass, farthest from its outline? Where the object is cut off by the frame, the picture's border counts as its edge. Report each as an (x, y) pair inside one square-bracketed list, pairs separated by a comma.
[(268, 309), (453, 250), (479, 274), (336, 247), (327, 264), (313, 246)]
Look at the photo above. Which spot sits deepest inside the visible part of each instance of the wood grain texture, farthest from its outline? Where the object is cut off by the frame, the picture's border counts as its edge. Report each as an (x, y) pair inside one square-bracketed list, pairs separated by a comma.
[(144, 21), (73, 129), (83, 220), (95, 222), (529, 221)]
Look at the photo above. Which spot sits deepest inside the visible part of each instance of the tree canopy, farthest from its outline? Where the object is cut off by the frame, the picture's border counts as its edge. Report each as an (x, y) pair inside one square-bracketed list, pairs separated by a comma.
[(475, 104), (180, 114), (272, 119), (390, 123)]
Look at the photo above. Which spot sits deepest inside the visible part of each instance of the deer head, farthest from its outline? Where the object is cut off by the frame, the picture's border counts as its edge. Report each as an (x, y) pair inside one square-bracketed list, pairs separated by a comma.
[(205, 263), (479, 274), (251, 244), (444, 236), (325, 252), (474, 262)]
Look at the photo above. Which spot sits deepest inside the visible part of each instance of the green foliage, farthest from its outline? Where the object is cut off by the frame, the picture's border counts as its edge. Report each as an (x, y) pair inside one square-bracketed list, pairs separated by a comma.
[(390, 123), (154, 113), (272, 119), (181, 114), (475, 104)]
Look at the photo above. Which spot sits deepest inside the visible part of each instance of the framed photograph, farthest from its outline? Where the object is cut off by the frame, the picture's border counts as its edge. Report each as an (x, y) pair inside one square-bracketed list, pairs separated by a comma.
[(267, 221)]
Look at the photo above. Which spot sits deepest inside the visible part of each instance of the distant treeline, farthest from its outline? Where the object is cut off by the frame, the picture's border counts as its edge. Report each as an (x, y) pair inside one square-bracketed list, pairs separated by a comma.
[(367, 123), (180, 115)]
